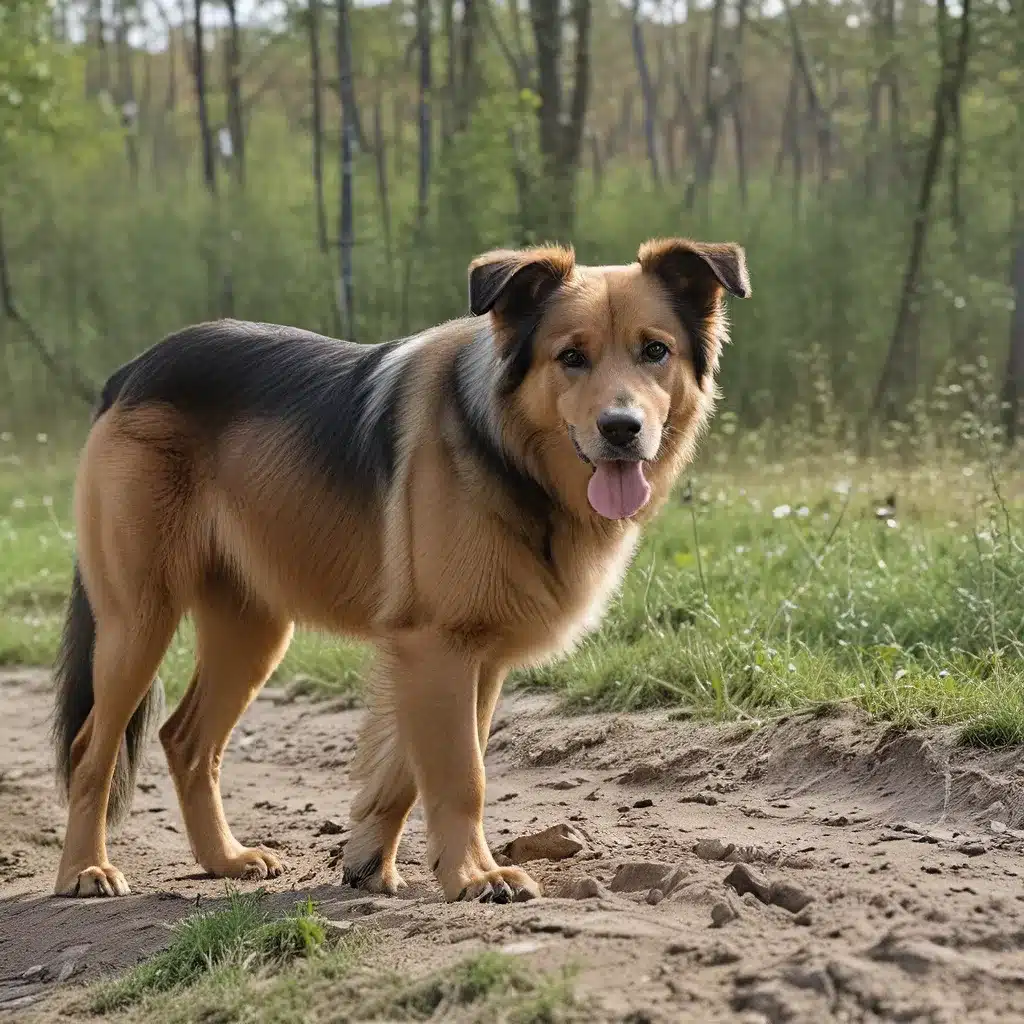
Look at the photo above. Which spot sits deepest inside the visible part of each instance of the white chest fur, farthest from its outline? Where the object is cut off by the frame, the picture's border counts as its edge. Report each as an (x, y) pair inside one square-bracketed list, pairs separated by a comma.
[(597, 580)]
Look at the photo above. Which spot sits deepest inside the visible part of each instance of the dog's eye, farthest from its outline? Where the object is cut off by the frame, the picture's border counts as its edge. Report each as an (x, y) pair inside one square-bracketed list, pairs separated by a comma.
[(572, 359), (655, 352)]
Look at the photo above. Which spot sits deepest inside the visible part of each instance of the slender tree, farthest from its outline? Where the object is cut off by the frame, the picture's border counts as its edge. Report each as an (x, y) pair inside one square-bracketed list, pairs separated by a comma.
[(347, 138), (199, 74), (898, 380), (317, 95), (648, 92)]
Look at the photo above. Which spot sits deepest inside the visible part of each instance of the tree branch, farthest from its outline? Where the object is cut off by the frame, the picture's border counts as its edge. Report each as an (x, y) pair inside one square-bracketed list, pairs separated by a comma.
[(69, 375)]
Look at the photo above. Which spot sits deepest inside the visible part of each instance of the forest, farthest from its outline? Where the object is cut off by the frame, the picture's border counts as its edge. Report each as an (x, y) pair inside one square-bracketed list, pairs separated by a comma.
[(335, 165)]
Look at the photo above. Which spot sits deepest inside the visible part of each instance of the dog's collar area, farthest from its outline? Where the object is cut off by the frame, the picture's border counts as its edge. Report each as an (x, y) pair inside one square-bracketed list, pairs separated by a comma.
[(576, 445)]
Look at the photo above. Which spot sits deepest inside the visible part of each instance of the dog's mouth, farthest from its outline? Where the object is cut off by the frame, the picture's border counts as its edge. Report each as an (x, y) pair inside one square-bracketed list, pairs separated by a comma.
[(618, 488)]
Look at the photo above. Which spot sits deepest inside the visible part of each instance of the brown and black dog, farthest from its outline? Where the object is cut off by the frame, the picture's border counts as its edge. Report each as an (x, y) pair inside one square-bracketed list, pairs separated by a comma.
[(468, 499)]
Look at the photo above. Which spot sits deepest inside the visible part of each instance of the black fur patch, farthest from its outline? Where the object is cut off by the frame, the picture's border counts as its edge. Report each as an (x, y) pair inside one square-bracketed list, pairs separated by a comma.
[(473, 371), (519, 358), (229, 370), (697, 317)]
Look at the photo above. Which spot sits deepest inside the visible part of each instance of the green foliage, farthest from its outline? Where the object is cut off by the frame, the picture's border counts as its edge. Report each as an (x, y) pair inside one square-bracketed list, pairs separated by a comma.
[(493, 986), (26, 71), (758, 599), (240, 937)]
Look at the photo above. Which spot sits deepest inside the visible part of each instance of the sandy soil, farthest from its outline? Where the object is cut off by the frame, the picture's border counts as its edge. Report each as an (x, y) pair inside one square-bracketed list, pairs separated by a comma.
[(823, 868)]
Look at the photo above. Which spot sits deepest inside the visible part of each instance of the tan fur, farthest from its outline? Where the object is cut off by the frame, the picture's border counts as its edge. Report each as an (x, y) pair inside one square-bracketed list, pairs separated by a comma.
[(241, 532)]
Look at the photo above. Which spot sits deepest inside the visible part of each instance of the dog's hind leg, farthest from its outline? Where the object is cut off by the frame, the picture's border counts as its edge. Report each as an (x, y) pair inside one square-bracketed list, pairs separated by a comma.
[(239, 643), (125, 659), (388, 792)]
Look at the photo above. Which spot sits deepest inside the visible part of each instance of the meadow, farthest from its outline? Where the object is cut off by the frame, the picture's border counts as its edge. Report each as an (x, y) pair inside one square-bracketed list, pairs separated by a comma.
[(767, 585)]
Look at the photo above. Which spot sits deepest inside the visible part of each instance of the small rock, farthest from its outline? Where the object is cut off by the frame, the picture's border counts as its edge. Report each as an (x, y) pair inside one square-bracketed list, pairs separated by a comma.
[(635, 876), (972, 848), (700, 798), (998, 826), (722, 913), (564, 784), (645, 802), (712, 849), (555, 843), (745, 879), (655, 896), (585, 888), (789, 896), (330, 827), (36, 973), (805, 918)]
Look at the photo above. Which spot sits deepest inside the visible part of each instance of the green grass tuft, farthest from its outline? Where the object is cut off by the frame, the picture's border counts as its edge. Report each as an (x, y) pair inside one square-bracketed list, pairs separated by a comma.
[(496, 987), (241, 936)]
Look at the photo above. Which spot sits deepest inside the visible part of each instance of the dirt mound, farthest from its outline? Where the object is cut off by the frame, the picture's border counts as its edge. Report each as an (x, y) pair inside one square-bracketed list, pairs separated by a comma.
[(822, 868)]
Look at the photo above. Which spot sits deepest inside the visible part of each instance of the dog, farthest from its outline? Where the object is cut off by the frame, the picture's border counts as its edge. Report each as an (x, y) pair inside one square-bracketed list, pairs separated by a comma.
[(467, 499)]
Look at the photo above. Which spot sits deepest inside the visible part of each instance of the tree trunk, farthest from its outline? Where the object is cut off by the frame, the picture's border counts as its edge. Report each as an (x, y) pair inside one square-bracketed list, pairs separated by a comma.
[(233, 84), (819, 115), (897, 383), (97, 70), (647, 93), (1013, 388), (317, 89), (127, 106), (707, 145), (450, 31), (736, 106), (380, 153), (346, 81), (560, 131), (346, 221), (423, 44), (199, 72), (470, 78)]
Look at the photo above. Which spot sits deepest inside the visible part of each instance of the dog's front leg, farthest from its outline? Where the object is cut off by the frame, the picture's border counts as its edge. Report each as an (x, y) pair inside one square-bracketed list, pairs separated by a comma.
[(436, 696)]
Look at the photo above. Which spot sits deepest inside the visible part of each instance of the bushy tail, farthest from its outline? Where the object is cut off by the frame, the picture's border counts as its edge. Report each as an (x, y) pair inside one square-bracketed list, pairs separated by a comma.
[(73, 678)]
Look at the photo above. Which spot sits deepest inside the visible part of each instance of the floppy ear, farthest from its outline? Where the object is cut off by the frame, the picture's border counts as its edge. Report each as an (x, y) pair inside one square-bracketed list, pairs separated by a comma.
[(696, 274), (697, 266), (512, 282)]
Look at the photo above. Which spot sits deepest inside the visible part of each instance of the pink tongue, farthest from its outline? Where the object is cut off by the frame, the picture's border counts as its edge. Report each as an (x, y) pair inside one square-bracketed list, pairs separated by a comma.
[(618, 490)]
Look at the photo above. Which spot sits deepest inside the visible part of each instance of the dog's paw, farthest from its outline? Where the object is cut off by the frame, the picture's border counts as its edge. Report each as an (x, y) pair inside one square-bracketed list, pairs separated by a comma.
[(254, 863), (104, 880), (503, 885), (374, 876)]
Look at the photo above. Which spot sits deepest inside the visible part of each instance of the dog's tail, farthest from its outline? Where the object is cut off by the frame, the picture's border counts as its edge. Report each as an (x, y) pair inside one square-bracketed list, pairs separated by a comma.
[(73, 678)]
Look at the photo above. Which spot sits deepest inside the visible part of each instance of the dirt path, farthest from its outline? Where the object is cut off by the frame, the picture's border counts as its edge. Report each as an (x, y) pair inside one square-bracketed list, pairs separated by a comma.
[(908, 846)]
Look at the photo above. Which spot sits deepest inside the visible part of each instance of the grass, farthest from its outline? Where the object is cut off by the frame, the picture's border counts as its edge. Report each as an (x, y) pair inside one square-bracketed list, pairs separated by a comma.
[(771, 586), (240, 964), (495, 987), (241, 937)]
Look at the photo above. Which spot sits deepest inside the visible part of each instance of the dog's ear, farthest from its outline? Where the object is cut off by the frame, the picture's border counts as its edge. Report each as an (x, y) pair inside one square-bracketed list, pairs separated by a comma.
[(696, 274), (699, 268), (512, 282)]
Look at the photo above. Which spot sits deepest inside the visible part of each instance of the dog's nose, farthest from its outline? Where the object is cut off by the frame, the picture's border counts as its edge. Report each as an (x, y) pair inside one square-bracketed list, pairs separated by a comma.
[(620, 426)]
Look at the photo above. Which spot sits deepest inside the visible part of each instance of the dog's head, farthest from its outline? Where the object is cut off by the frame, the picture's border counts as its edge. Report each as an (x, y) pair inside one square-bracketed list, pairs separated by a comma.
[(612, 366)]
